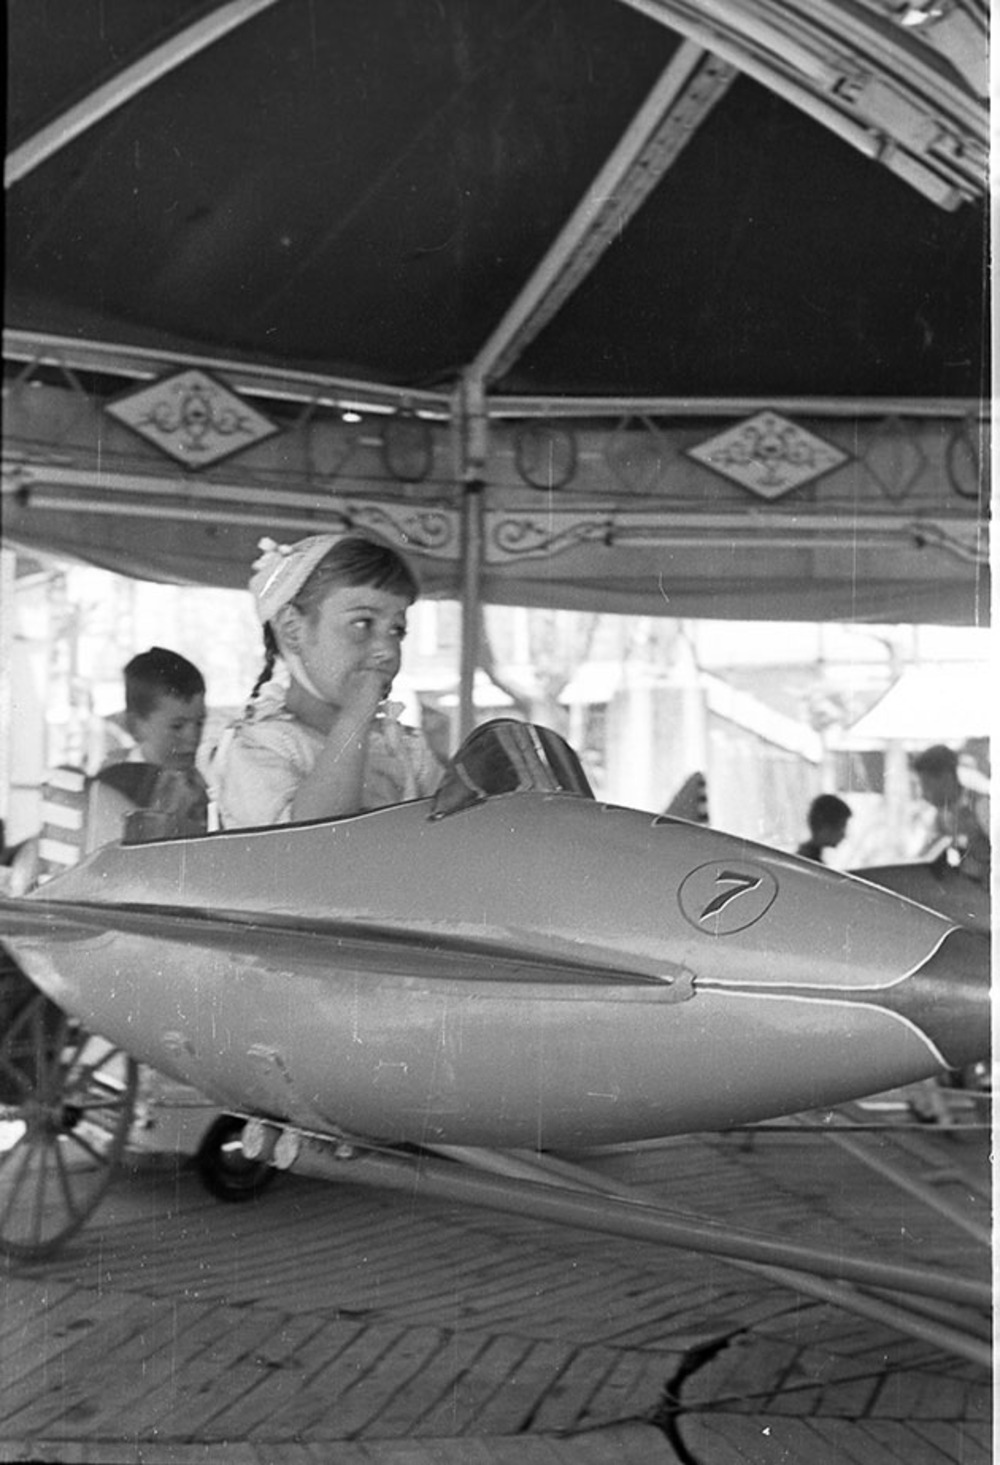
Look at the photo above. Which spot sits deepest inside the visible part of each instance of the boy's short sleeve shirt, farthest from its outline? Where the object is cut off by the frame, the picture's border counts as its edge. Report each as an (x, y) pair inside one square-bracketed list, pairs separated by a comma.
[(267, 756)]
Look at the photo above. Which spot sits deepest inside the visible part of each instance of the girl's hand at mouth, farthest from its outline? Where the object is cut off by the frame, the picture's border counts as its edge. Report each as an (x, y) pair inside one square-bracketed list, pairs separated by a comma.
[(366, 688)]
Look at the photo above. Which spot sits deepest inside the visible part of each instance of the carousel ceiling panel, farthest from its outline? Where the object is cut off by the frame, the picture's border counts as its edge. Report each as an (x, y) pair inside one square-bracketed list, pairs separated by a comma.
[(367, 190), (632, 234)]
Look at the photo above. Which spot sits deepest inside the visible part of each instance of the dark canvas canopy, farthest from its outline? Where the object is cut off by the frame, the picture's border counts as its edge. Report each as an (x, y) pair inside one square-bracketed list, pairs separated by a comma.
[(650, 305)]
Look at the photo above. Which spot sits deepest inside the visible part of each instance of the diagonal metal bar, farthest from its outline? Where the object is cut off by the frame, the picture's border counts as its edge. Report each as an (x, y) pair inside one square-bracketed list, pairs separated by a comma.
[(935, 1322), (867, 78), (684, 95), (957, 31), (127, 84), (602, 1212), (114, 358), (963, 1342), (897, 1176), (825, 43)]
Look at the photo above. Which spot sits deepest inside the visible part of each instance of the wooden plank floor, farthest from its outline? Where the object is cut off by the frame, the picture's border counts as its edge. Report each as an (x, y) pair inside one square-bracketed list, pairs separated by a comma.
[(334, 1322)]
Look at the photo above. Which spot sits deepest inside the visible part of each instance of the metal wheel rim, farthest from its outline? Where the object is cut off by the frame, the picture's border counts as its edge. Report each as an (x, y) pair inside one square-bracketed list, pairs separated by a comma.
[(71, 1099)]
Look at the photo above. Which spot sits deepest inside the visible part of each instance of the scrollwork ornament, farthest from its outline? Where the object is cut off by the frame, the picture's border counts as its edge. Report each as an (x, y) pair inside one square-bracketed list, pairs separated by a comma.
[(427, 531), (523, 536)]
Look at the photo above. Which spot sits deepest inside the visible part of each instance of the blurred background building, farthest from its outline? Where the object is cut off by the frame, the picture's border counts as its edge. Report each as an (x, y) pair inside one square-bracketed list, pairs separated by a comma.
[(770, 713)]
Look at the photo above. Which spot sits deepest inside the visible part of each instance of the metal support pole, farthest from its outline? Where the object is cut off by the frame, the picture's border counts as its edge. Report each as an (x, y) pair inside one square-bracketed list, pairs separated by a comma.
[(472, 549), (471, 430), (190, 41), (932, 1321), (613, 1216), (916, 1188), (933, 1330), (8, 576)]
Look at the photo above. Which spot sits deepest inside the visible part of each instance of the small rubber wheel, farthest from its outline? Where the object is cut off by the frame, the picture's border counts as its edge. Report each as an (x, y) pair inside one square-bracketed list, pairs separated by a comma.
[(224, 1169)]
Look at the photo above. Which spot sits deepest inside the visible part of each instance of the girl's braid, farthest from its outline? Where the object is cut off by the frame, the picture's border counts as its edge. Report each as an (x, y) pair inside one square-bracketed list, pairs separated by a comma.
[(270, 657)]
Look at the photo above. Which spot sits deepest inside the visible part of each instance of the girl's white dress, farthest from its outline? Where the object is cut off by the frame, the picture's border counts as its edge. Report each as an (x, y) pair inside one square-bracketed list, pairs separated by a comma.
[(262, 760)]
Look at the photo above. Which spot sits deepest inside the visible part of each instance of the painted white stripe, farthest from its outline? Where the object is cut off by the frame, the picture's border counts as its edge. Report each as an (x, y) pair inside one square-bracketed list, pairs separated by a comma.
[(58, 852), (704, 983), (835, 1002), (72, 780), (63, 816)]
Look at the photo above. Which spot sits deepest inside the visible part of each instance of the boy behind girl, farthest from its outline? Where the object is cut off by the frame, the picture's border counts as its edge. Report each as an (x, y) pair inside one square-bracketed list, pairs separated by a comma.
[(156, 787)]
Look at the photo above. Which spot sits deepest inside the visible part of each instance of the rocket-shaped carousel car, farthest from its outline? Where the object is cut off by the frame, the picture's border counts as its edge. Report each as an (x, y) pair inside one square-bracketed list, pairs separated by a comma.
[(509, 964)]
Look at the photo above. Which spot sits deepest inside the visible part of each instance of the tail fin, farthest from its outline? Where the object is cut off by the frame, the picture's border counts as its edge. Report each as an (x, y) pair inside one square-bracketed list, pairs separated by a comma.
[(691, 800)]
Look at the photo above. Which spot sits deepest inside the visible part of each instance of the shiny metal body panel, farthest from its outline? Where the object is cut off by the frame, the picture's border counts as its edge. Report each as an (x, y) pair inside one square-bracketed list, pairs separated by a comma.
[(538, 969)]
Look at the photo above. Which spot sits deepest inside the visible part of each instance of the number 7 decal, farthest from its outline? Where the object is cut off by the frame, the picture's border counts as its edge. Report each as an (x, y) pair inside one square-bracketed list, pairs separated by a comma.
[(739, 884)]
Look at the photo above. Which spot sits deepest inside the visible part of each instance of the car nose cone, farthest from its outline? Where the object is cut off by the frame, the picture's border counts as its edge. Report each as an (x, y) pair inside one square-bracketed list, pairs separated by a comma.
[(948, 998)]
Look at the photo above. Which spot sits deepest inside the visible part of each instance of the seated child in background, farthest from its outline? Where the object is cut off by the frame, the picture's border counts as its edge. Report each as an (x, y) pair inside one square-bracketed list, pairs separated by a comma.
[(317, 738), (153, 792), (165, 714), (827, 819), (961, 817)]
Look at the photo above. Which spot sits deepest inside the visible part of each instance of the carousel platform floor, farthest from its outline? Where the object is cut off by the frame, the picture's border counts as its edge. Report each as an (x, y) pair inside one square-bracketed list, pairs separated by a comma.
[(325, 1322)]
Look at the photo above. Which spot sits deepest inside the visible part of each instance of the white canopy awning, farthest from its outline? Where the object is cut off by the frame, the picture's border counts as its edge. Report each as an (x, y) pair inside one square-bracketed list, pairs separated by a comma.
[(929, 704)]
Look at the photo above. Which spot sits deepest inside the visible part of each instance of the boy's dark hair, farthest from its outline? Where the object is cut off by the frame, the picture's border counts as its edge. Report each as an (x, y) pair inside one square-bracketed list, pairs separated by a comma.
[(938, 759), (159, 673), (827, 809)]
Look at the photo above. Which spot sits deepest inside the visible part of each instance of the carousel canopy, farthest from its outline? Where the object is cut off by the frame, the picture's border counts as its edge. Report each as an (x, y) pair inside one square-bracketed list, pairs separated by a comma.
[(633, 304)]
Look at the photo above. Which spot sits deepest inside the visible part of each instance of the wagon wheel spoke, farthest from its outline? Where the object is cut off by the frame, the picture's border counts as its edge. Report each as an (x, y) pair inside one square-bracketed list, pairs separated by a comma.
[(22, 1033), (69, 1101)]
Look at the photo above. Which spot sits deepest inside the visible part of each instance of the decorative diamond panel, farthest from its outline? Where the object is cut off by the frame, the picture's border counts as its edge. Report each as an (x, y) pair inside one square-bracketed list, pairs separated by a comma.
[(895, 459), (193, 417), (768, 454), (637, 455)]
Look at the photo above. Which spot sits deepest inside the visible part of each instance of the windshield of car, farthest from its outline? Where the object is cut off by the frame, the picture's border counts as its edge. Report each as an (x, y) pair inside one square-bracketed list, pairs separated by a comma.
[(505, 757)]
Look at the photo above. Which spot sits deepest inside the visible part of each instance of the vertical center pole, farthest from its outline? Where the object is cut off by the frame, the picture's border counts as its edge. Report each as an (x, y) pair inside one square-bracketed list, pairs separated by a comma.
[(8, 578), (472, 438)]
